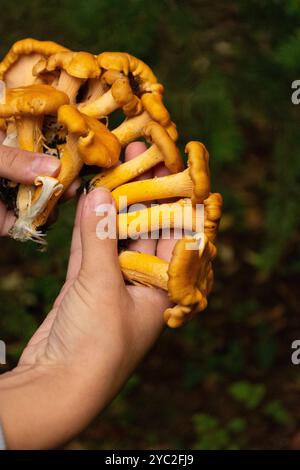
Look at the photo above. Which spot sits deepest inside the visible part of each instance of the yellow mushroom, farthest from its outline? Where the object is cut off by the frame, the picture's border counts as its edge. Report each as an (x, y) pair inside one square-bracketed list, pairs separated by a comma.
[(74, 68), (212, 215), (181, 215), (177, 215), (144, 269), (88, 142), (16, 67), (119, 95), (188, 278), (28, 105), (194, 182), (154, 110), (163, 149), (128, 64)]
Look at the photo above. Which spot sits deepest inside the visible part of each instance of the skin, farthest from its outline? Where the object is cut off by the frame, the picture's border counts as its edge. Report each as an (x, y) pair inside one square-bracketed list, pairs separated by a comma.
[(97, 332)]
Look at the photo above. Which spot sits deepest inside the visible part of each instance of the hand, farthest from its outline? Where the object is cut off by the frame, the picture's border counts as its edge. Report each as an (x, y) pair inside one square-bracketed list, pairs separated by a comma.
[(89, 344), (21, 167)]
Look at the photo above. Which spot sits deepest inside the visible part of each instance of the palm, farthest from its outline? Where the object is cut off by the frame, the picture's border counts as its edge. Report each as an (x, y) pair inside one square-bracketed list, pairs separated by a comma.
[(145, 306)]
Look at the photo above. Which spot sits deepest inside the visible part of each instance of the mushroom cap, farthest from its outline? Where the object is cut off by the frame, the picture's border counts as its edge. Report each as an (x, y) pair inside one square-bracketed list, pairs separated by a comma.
[(72, 119), (126, 63), (198, 163), (96, 144), (26, 47), (100, 147), (124, 96), (190, 272), (212, 214), (153, 104), (77, 64), (32, 100), (157, 134), (176, 316)]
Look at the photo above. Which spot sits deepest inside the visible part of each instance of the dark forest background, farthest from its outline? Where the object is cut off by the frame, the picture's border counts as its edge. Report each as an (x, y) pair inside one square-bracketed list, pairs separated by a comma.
[(226, 380)]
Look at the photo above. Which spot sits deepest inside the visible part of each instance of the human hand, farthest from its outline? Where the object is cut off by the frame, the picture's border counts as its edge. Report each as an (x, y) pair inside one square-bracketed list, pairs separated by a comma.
[(21, 167), (89, 344)]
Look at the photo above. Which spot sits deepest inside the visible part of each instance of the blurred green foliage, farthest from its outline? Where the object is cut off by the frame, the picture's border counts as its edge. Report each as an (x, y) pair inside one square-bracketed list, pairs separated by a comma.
[(224, 381)]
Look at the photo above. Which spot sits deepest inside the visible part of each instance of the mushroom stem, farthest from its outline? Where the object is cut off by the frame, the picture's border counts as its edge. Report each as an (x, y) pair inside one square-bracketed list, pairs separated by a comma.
[(177, 215), (163, 149), (69, 85), (119, 175), (29, 133), (144, 269), (178, 185), (102, 106), (29, 138), (120, 95), (71, 164), (94, 91), (131, 128), (24, 228)]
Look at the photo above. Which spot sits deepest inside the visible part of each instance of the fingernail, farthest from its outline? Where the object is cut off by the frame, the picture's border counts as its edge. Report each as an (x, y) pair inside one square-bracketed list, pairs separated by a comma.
[(43, 165), (97, 197)]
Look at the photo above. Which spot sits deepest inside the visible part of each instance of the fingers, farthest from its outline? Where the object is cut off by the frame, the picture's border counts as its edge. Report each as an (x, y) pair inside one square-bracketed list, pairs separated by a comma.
[(165, 247), (143, 245), (99, 242), (23, 167)]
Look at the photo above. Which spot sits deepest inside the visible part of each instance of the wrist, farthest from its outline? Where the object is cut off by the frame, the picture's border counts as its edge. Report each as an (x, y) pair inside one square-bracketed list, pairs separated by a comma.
[(33, 403)]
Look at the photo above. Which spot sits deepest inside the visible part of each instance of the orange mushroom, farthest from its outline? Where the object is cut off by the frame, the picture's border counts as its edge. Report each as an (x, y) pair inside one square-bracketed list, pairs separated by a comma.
[(119, 95), (188, 278), (74, 68), (163, 149), (193, 182), (16, 67)]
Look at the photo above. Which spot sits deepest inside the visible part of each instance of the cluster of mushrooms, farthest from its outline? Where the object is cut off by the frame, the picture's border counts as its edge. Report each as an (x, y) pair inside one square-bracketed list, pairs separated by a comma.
[(60, 102)]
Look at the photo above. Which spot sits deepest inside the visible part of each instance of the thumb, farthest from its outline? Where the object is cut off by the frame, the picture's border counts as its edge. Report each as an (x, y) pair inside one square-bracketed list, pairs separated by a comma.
[(98, 237)]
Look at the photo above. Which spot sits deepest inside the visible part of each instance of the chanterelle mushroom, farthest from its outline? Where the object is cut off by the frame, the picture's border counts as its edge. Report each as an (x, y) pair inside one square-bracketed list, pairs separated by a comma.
[(212, 215), (144, 269), (144, 78), (132, 128), (119, 95), (16, 67), (87, 142), (179, 215), (163, 149), (96, 144), (194, 182), (74, 67), (188, 278)]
